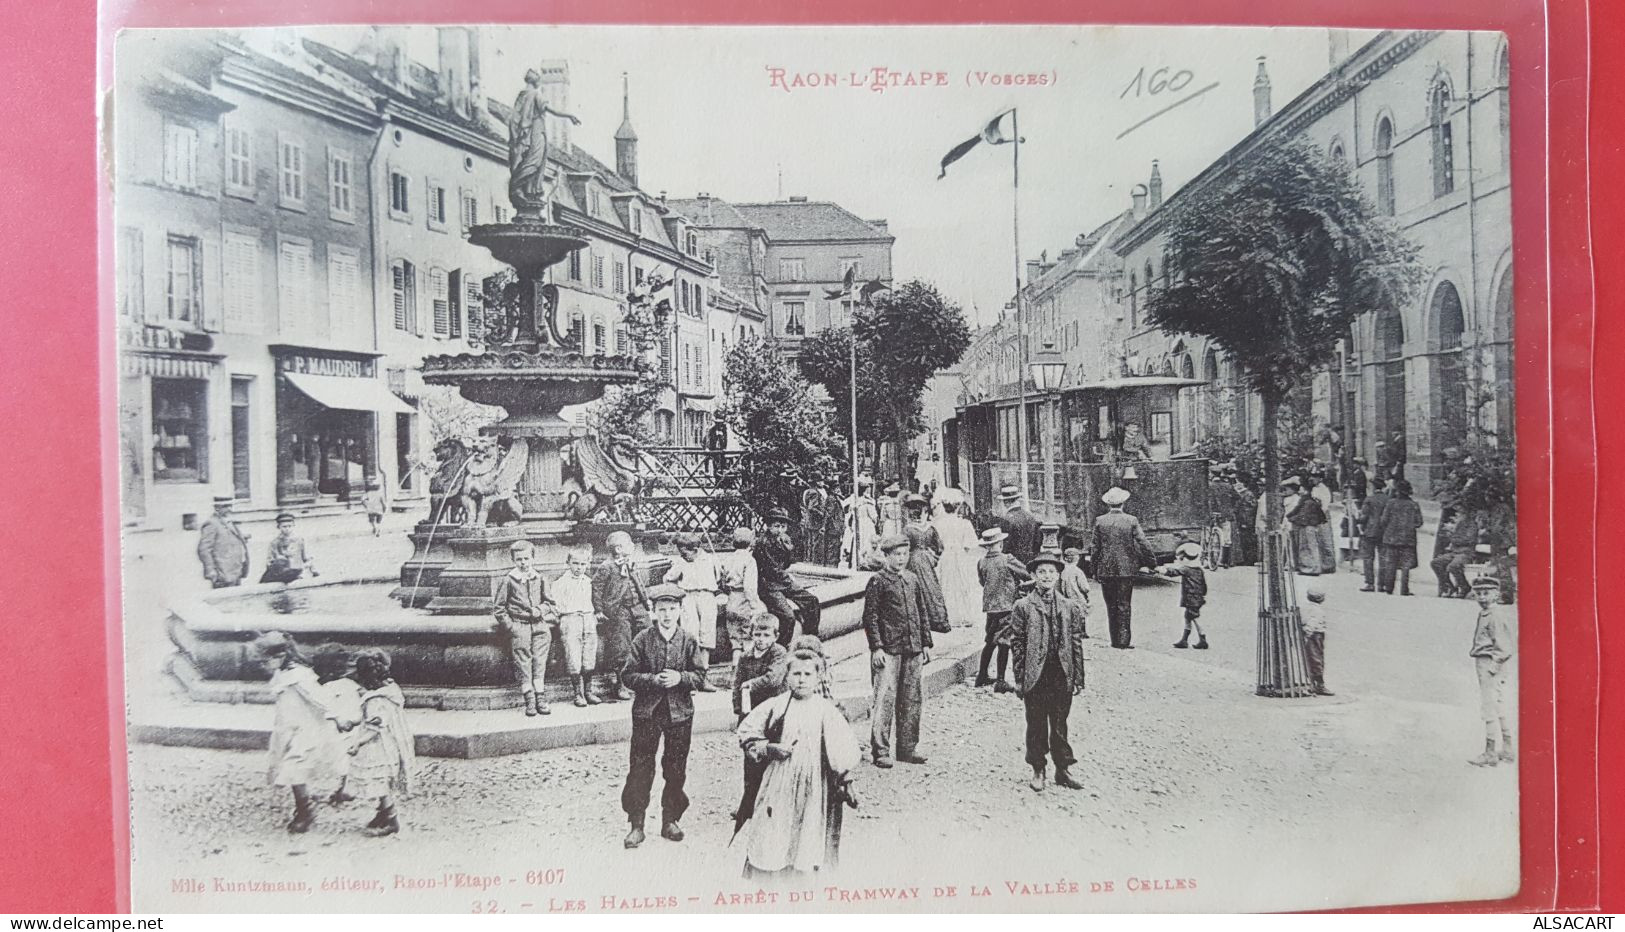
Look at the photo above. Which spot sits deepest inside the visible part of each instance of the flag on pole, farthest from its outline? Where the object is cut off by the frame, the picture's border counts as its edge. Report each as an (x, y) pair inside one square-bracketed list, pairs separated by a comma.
[(997, 132)]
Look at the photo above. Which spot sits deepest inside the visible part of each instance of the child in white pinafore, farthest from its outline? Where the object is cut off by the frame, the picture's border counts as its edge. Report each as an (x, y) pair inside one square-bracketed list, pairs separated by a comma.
[(382, 745), (305, 745), (341, 694)]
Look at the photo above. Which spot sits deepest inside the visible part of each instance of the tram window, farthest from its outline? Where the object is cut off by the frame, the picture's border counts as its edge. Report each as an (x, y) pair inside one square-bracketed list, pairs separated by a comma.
[(1162, 426), (1103, 423)]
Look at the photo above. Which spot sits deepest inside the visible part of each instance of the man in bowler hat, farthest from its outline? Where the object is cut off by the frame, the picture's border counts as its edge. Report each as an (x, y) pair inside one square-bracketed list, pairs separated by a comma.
[(1120, 549)]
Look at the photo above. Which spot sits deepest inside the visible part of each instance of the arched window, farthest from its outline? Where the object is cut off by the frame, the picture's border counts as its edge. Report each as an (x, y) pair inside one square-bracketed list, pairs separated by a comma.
[(1503, 77), (1453, 405), (578, 330), (1133, 301), (1444, 155), (1337, 153), (1149, 274), (1385, 166), (1502, 334), (1390, 341), (1187, 404)]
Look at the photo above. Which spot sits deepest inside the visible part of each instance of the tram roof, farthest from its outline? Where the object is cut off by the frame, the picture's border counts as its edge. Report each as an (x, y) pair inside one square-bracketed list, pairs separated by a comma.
[(1137, 381)]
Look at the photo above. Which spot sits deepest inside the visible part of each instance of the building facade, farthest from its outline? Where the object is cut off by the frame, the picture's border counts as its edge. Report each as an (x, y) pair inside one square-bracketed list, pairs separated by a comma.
[(788, 255), (244, 232), (1422, 119)]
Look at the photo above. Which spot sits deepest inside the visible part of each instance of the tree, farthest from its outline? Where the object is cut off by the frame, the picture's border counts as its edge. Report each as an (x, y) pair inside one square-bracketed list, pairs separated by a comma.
[(1274, 261), (788, 443), (904, 337)]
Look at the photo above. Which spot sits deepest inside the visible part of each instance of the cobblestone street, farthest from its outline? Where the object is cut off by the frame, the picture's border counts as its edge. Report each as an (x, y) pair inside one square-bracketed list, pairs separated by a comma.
[(1193, 787)]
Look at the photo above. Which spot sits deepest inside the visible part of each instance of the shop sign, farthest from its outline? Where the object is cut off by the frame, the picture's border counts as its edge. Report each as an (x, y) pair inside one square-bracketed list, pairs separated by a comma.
[(326, 365)]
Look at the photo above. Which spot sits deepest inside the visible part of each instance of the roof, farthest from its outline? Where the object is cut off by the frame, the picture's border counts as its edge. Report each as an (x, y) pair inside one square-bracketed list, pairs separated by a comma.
[(809, 220), (711, 212), (784, 221)]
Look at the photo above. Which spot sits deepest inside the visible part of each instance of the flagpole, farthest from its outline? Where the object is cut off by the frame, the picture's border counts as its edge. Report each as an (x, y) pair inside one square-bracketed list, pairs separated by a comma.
[(852, 387), (1022, 427)]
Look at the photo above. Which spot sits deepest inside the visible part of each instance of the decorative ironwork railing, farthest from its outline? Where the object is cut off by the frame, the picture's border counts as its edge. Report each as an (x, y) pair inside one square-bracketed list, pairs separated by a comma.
[(692, 489)]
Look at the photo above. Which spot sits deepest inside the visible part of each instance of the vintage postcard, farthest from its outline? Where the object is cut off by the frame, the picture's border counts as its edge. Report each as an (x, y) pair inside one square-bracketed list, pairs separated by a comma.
[(676, 469)]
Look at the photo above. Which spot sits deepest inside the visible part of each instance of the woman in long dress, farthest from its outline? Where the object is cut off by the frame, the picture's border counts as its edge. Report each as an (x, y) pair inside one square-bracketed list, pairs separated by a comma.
[(956, 571), (925, 549), (792, 827)]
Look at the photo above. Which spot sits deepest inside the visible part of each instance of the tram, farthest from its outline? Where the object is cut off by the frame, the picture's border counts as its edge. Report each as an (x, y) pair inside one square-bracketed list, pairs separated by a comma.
[(1136, 432)]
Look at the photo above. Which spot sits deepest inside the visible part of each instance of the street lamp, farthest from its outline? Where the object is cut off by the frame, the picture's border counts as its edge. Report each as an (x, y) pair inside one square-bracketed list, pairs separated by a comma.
[(1048, 368)]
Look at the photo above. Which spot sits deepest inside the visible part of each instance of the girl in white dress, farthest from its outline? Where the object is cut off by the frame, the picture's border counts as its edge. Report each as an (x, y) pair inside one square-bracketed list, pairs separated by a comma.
[(794, 821), (382, 743), (305, 745)]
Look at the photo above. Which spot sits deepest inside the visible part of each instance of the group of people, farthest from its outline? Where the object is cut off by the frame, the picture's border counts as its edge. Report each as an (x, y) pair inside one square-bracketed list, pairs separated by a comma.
[(222, 546)]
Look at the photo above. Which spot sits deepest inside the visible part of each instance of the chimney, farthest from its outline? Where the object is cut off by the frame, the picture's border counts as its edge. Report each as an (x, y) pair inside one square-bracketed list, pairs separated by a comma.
[(555, 88), (1035, 268), (476, 89), (626, 138), (1138, 196), (454, 70), (798, 198), (392, 65), (880, 225), (1156, 185), (1337, 41), (1261, 95)]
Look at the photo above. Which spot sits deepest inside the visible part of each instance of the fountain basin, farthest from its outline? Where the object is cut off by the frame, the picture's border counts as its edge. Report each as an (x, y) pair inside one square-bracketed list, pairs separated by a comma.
[(441, 661)]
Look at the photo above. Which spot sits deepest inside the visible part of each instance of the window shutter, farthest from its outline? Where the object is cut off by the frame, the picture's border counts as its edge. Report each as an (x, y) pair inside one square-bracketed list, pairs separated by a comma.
[(412, 299), (397, 287), (439, 304), (132, 274), (242, 282), (473, 304), (205, 298), (454, 292)]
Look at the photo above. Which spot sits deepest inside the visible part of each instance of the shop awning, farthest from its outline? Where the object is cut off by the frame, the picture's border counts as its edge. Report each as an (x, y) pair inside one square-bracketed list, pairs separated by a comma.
[(336, 391)]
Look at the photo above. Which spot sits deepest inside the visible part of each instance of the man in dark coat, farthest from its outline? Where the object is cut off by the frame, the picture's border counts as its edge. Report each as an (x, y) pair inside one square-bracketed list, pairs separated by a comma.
[(1120, 549), (1401, 519), (1370, 525), (1020, 524), (222, 547), (1048, 650), (780, 594), (894, 620), (1455, 547), (622, 605)]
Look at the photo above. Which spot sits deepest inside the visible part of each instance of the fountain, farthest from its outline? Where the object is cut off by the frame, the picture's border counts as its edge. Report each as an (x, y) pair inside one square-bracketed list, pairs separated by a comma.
[(530, 476)]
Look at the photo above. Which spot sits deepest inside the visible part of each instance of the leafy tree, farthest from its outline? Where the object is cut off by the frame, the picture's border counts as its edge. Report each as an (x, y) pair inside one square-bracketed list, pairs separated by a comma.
[(1274, 261), (903, 338), (787, 440)]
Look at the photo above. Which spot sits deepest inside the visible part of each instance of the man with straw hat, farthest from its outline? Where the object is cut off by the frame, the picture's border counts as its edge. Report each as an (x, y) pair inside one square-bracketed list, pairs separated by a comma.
[(1000, 574), (222, 546), (1120, 549)]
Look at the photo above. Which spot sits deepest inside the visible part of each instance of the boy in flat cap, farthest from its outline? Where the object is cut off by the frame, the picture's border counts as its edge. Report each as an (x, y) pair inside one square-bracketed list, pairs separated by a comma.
[(1491, 652), (1047, 631), (287, 559), (662, 670), (899, 645), (790, 603)]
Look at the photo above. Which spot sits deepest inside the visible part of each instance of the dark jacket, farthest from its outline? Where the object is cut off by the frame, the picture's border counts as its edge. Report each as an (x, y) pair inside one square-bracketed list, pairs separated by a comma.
[(1401, 518), (1192, 585), (1001, 575), (773, 561), (1030, 633), (619, 598), (894, 615), (1371, 514), (1307, 513), (758, 679), (519, 603), (1022, 527), (1463, 536), (1120, 547), (651, 654)]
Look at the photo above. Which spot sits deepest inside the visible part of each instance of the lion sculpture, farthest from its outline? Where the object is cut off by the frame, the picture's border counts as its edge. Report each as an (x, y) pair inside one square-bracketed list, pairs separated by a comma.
[(603, 481), (446, 482), (493, 476)]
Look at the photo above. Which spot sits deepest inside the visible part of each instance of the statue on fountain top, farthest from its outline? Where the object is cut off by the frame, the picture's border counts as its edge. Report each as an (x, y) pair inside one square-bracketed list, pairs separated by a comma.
[(532, 197)]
